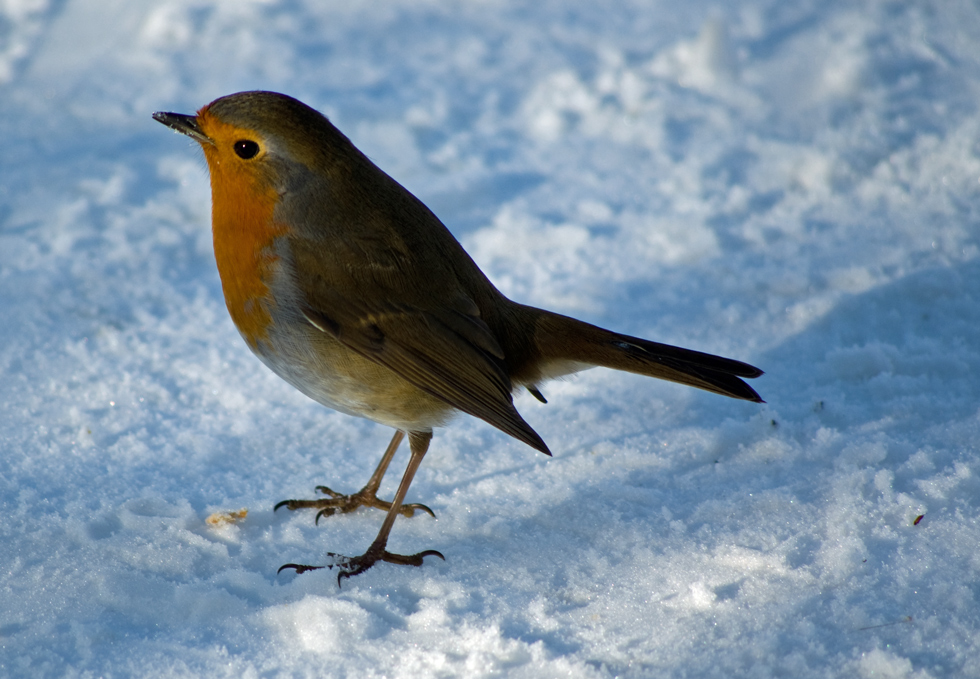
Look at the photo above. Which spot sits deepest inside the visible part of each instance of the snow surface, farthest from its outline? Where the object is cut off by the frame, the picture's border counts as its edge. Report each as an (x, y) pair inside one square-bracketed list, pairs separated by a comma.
[(794, 184)]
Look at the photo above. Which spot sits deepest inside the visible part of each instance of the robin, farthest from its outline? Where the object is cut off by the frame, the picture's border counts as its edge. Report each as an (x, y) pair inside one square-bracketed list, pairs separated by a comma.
[(349, 288)]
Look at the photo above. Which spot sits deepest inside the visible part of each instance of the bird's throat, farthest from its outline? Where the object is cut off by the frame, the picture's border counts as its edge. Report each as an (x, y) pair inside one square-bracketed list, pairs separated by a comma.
[(245, 236)]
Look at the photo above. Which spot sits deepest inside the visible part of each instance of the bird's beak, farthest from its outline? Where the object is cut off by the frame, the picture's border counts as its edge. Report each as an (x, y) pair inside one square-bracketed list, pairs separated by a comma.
[(184, 124)]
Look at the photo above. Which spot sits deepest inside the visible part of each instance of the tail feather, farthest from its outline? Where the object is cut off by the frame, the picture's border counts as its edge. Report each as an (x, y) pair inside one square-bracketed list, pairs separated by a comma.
[(569, 341)]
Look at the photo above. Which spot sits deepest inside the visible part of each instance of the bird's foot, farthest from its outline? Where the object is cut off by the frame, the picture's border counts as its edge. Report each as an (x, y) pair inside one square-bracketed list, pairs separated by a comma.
[(349, 566), (343, 504)]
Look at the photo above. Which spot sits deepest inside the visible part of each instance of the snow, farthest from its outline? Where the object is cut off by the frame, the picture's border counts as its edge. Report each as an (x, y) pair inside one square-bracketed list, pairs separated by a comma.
[(791, 184)]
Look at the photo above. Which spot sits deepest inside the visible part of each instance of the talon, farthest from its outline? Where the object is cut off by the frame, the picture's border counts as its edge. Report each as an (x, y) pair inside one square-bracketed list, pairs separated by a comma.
[(327, 511), (349, 566), (409, 510), (299, 568), (410, 559), (327, 491)]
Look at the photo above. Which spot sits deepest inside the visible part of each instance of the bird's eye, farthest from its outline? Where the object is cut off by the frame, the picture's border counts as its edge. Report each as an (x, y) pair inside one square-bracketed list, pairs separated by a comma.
[(246, 149)]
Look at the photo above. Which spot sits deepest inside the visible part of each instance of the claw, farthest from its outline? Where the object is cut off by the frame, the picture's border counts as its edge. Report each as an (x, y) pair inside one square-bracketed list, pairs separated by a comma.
[(298, 504), (349, 566), (352, 566), (409, 510), (299, 568)]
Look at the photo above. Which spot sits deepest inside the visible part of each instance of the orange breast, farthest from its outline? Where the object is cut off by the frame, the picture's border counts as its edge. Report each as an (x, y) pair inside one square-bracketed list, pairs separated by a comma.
[(244, 235)]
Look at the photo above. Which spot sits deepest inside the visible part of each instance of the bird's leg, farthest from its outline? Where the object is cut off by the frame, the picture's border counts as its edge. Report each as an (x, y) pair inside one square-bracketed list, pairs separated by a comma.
[(350, 566), (365, 497)]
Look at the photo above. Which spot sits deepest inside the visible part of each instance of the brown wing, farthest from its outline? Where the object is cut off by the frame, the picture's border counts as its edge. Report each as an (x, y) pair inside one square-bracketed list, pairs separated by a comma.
[(446, 353)]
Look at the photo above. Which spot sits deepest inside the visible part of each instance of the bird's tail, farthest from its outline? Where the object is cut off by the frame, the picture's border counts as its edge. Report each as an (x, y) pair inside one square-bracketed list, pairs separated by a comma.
[(567, 345)]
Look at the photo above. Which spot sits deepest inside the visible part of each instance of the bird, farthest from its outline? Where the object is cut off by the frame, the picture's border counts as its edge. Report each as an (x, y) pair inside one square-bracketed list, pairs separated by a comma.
[(349, 288)]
